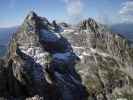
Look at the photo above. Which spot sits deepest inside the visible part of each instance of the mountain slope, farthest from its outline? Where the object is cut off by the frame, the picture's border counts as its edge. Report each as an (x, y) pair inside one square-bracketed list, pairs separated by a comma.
[(106, 61), (47, 61), (125, 29), (41, 62)]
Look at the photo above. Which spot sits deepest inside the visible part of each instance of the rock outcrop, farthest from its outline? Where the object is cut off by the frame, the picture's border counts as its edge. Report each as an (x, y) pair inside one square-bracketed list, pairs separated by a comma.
[(50, 61), (106, 63), (40, 64)]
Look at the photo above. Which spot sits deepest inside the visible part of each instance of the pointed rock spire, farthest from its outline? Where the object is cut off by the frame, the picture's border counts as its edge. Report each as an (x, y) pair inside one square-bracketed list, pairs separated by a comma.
[(89, 24), (31, 15)]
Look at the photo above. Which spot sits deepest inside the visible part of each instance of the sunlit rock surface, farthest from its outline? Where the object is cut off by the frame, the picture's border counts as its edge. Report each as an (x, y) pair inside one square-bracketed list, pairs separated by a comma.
[(106, 65), (50, 61)]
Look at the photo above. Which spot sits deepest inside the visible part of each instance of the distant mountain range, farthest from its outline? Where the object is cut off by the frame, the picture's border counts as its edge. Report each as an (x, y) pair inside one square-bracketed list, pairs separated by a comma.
[(5, 35), (126, 29)]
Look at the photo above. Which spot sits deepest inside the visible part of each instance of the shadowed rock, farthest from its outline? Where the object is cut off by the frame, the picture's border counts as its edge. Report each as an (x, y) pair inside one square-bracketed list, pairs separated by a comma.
[(40, 63)]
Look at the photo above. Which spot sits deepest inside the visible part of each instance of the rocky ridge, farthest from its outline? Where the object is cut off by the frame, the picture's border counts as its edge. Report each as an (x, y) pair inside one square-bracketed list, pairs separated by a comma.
[(106, 61), (50, 61), (40, 63)]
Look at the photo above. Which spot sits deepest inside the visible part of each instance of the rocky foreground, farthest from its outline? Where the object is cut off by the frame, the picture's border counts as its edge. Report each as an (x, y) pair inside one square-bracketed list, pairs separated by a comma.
[(50, 61)]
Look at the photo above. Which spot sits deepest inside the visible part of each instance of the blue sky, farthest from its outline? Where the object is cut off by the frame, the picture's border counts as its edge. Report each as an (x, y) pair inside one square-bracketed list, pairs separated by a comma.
[(13, 12)]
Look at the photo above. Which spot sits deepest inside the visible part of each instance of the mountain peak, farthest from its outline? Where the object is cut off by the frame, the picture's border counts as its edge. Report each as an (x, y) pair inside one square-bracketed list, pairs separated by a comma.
[(31, 15), (43, 61), (42, 57), (89, 23)]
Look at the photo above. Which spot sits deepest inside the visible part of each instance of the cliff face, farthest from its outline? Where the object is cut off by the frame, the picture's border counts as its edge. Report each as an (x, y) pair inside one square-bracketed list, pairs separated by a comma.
[(40, 64), (50, 61), (106, 63)]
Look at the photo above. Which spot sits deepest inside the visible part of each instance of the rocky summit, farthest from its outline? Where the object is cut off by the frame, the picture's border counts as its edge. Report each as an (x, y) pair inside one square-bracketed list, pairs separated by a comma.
[(51, 61)]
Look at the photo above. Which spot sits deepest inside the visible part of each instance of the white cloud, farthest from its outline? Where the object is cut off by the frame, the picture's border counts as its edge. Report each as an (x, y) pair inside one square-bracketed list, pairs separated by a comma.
[(74, 7), (126, 11)]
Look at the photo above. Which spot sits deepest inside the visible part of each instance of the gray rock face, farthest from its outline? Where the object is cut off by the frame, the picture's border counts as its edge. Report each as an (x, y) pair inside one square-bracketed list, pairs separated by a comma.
[(50, 61), (40, 64), (106, 63)]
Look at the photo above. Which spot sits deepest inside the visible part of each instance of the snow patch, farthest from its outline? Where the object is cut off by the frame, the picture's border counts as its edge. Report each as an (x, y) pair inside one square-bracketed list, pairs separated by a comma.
[(69, 30), (76, 47), (86, 54), (98, 52), (93, 50), (39, 56), (36, 53), (76, 33), (81, 56)]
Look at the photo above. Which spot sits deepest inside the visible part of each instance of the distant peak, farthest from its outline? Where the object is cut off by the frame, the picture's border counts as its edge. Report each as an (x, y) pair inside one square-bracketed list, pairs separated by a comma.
[(88, 23)]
